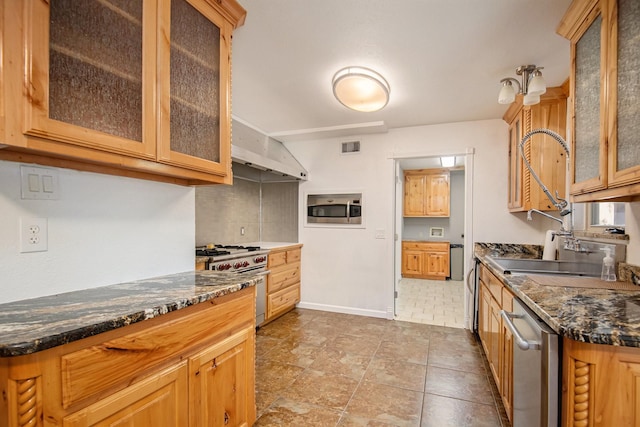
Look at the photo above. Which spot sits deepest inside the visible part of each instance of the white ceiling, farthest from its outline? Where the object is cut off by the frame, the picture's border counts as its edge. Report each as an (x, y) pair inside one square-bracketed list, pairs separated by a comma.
[(442, 58)]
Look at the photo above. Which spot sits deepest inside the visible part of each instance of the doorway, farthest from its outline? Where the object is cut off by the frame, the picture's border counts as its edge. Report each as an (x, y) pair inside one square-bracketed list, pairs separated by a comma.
[(437, 302)]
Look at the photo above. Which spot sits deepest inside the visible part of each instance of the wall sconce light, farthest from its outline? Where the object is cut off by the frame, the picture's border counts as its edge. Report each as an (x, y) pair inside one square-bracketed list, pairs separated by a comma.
[(360, 89), (532, 86), (448, 161)]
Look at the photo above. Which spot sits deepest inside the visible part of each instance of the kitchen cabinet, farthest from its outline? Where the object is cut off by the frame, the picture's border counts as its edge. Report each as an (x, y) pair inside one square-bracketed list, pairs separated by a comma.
[(426, 193), (600, 384), (495, 338), (193, 366), (283, 281), (138, 88), (425, 260), (605, 107), (547, 158), (506, 348), (218, 377)]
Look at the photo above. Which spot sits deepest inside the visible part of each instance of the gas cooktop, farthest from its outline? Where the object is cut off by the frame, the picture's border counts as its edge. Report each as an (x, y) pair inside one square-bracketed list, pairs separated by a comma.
[(220, 250)]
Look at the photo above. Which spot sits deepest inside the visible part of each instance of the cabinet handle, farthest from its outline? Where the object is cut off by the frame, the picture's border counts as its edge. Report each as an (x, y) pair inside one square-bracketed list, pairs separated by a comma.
[(226, 418)]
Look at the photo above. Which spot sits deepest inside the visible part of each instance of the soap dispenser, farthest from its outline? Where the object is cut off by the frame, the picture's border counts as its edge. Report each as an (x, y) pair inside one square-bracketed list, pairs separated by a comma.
[(608, 267)]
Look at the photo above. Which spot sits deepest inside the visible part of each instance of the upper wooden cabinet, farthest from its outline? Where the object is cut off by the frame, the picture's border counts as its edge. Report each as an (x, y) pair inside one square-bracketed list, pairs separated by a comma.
[(605, 107), (547, 158), (137, 88), (426, 192)]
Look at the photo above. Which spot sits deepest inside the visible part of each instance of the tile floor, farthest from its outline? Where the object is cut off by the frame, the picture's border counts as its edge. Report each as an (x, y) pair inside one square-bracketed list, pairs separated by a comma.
[(432, 302), (316, 368)]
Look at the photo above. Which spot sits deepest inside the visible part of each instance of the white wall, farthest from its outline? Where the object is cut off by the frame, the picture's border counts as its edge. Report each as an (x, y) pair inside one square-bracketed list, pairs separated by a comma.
[(103, 230), (349, 269)]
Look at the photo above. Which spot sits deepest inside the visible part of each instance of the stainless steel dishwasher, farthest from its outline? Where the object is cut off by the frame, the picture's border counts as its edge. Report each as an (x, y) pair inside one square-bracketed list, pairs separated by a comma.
[(535, 368)]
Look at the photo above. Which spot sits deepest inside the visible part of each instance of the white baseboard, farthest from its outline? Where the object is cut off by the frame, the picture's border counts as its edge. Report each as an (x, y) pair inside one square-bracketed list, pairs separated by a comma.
[(345, 310)]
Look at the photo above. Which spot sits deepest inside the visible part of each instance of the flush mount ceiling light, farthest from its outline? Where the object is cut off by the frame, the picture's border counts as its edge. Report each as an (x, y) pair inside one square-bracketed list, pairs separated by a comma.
[(448, 161), (360, 89), (532, 86)]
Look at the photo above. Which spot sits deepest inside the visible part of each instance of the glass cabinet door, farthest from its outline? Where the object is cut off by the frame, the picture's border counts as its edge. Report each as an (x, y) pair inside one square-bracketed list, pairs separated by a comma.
[(89, 81), (194, 103), (624, 87), (589, 139)]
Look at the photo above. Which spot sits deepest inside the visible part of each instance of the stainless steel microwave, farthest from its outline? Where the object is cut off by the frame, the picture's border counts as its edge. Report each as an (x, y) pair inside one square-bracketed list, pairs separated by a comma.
[(334, 208)]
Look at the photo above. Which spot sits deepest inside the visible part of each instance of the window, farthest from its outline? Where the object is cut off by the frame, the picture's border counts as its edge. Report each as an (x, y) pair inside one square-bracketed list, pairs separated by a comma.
[(607, 214)]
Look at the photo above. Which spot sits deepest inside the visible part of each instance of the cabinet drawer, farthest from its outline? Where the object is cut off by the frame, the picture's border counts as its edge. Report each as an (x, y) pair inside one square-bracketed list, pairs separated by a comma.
[(493, 283), (427, 246), (293, 255), (282, 300), (277, 259), (111, 365), (283, 278)]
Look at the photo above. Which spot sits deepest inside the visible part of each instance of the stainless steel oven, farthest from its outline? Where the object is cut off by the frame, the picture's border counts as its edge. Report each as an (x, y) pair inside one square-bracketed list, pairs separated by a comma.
[(536, 360), (334, 208), (234, 259)]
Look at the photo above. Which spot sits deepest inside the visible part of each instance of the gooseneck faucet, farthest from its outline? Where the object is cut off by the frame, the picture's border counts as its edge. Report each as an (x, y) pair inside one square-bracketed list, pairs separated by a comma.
[(559, 203), (562, 232)]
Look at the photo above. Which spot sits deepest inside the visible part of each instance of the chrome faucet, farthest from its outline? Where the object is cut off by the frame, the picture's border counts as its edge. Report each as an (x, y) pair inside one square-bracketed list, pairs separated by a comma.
[(558, 202), (562, 232)]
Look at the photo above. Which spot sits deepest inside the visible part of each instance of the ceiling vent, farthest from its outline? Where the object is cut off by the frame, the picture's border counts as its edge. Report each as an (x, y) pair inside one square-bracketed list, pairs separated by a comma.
[(350, 147)]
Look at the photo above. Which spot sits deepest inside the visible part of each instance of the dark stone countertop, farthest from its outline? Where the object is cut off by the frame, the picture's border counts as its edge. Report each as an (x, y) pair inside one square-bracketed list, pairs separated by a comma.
[(33, 325), (597, 316)]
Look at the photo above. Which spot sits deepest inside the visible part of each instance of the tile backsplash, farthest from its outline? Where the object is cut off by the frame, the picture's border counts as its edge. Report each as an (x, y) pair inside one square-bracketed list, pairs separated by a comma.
[(265, 211)]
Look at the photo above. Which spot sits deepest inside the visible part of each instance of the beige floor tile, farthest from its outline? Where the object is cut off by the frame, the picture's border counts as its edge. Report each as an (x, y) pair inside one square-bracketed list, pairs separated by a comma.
[(434, 302)]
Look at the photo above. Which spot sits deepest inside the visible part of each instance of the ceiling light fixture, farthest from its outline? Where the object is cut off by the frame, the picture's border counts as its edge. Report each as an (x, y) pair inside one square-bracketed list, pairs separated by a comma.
[(532, 86), (360, 89), (448, 161)]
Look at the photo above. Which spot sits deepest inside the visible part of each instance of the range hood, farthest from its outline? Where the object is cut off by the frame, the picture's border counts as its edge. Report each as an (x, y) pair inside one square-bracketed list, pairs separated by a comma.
[(258, 157)]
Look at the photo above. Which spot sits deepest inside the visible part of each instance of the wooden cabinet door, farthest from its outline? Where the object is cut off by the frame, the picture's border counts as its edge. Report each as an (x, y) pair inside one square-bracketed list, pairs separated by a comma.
[(220, 383), (160, 400), (436, 264), (194, 68), (438, 203), (588, 89), (506, 348), (412, 262), (90, 71), (495, 341), (414, 195), (484, 311), (623, 120)]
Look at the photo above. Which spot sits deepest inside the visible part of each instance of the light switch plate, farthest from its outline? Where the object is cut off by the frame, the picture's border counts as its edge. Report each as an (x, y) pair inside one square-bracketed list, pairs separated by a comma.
[(39, 183)]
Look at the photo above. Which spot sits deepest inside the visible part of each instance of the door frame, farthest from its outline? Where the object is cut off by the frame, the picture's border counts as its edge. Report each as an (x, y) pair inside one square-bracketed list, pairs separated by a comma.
[(468, 265)]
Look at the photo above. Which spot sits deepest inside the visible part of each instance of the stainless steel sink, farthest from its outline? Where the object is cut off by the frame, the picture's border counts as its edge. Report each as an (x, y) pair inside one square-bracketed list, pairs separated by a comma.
[(541, 266)]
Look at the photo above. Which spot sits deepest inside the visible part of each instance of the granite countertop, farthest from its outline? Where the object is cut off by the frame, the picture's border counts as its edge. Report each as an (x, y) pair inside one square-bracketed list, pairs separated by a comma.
[(598, 316), (33, 325)]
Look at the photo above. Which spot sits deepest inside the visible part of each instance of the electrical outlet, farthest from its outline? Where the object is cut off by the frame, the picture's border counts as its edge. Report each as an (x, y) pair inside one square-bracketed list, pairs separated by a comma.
[(33, 235)]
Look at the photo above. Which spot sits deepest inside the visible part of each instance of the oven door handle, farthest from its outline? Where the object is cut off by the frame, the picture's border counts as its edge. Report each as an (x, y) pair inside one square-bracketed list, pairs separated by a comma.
[(521, 342)]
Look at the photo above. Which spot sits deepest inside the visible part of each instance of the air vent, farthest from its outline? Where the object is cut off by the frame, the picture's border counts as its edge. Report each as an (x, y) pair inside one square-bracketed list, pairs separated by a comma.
[(350, 147)]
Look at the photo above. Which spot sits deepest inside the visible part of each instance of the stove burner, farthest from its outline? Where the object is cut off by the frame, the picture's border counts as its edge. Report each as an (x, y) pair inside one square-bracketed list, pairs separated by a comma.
[(211, 252), (237, 247)]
